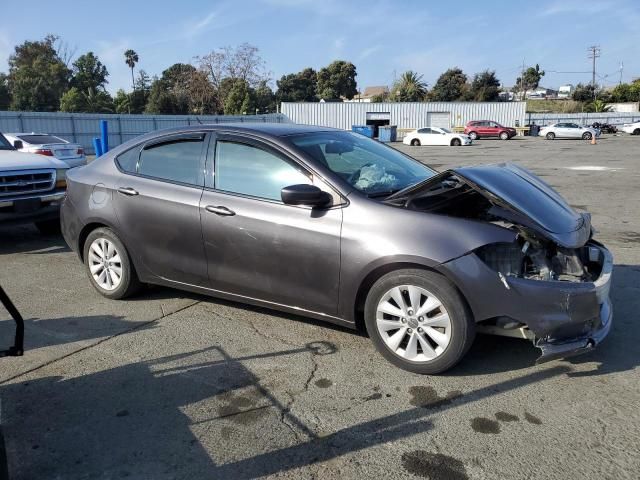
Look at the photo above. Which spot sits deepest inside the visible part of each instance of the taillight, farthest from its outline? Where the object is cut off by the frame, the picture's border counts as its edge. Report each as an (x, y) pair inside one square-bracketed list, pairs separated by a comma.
[(80, 151), (45, 151)]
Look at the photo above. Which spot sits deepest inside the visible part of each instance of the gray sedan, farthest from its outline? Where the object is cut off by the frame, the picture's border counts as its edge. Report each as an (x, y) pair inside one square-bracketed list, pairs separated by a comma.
[(335, 226), (568, 130)]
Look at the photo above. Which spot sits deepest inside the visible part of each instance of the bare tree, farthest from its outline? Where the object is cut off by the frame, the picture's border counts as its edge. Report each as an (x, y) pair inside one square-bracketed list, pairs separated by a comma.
[(243, 62), (65, 52)]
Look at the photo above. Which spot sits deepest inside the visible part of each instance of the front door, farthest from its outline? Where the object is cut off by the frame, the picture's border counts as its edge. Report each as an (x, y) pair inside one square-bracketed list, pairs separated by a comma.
[(257, 246), (157, 202)]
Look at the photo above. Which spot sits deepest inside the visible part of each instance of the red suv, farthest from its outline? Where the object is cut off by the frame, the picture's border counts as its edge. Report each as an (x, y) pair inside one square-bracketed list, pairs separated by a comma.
[(487, 128)]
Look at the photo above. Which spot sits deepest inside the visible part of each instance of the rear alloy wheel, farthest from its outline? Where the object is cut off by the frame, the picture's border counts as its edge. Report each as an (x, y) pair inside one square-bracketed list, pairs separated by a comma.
[(504, 136), (456, 142), (108, 265), (551, 136), (418, 321), (586, 136), (473, 135), (415, 142)]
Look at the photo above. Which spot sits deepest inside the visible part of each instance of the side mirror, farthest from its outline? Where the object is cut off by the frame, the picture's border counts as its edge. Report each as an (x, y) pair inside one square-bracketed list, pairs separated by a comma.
[(18, 145), (303, 194)]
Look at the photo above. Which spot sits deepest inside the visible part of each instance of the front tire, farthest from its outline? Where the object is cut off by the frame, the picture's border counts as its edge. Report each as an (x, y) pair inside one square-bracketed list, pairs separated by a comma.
[(456, 142), (636, 131), (586, 136), (415, 142), (418, 321), (473, 135), (551, 136), (109, 266), (504, 136)]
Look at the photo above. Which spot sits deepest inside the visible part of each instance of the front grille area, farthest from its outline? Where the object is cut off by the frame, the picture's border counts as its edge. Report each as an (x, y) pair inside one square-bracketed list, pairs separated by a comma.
[(26, 182)]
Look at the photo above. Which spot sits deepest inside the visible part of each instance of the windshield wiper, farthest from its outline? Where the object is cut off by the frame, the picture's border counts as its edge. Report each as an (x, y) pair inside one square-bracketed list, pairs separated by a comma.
[(385, 193)]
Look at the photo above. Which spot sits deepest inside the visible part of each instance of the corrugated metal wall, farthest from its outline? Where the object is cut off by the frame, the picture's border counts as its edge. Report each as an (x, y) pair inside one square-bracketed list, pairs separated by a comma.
[(83, 127), (614, 118), (403, 115)]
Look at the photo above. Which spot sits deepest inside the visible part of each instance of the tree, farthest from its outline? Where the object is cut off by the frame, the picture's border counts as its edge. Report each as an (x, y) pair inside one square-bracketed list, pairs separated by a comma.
[(202, 95), (240, 99), (530, 79), (89, 73), (265, 99), (626, 92), (598, 106), (450, 86), (138, 98), (584, 93), (485, 87), (171, 92), (298, 87), (88, 101), (37, 76), (409, 88), (337, 80), (131, 58), (121, 102), (5, 96)]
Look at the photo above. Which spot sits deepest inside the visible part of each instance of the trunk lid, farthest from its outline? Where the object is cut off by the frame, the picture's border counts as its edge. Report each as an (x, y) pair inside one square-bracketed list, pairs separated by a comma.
[(519, 197)]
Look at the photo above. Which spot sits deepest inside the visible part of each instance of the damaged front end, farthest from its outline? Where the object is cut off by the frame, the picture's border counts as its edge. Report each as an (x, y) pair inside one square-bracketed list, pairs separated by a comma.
[(550, 284)]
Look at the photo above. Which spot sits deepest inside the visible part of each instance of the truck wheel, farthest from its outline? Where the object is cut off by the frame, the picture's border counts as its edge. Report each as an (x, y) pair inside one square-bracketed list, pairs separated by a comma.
[(109, 266), (418, 321), (49, 227)]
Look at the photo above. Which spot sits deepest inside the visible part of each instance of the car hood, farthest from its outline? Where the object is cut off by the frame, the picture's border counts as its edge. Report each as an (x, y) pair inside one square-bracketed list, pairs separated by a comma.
[(13, 160), (520, 197)]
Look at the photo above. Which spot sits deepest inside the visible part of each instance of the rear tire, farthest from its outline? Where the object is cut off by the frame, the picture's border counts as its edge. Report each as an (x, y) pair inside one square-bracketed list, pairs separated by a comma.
[(551, 136), (504, 136), (473, 135), (415, 142), (49, 227), (586, 136), (109, 266), (456, 142), (436, 335)]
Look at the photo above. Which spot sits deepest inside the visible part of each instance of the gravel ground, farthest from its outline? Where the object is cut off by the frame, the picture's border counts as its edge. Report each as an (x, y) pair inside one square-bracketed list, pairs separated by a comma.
[(173, 385)]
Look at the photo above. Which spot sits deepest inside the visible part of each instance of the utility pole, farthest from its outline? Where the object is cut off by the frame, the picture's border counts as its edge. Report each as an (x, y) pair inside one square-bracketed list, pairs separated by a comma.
[(621, 67), (594, 52)]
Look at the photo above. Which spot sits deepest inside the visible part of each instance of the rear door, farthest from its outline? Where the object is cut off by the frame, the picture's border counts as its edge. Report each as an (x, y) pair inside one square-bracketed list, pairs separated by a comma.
[(258, 247), (493, 129), (157, 201)]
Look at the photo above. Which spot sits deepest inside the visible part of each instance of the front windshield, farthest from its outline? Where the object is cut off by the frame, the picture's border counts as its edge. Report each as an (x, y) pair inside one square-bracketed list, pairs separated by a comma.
[(4, 143), (445, 130), (367, 165)]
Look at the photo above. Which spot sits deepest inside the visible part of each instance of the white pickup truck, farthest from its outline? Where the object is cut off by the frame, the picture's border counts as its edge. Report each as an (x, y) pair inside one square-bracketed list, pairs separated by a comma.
[(32, 188)]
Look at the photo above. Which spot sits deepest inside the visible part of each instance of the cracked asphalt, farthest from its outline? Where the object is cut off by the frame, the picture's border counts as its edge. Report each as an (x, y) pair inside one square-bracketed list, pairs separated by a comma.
[(170, 385)]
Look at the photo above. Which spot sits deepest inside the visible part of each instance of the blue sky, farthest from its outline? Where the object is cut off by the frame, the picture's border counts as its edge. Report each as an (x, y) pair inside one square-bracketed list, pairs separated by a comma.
[(381, 37)]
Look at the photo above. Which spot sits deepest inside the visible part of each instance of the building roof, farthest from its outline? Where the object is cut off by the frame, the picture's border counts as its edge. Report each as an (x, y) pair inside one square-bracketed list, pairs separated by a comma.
[(376, 90)]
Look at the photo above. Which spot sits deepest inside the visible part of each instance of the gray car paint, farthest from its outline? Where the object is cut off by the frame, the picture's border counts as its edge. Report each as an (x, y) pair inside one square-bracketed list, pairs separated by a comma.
[(318, 262)]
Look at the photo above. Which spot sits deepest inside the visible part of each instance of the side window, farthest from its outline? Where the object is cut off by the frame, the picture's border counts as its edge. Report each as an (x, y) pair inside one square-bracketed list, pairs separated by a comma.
[(241, 168), (424, 130), (128, 160), (178, 160)]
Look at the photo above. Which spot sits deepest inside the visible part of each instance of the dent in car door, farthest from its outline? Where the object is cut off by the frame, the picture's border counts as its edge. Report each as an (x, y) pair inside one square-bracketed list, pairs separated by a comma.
[(259, 247), (157, 202)]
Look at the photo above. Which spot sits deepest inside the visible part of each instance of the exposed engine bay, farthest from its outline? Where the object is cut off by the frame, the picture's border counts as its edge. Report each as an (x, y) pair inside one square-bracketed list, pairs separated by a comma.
[(530, 256)]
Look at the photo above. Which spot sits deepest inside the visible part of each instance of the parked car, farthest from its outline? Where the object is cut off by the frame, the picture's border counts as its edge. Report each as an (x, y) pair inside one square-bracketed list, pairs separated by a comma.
[(604, 127), (632, 128), (435, 136), (336, 226), (486, 128), (31, 188), (568, 130), (45, 144)]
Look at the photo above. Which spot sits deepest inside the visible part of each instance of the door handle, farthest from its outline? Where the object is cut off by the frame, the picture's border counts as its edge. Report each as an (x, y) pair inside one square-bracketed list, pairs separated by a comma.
[(219, 210), (130, 192)]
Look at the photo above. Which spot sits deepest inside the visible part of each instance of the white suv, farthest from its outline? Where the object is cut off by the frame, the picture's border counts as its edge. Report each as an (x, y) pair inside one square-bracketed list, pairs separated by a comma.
[(632, 128), (32, 188)]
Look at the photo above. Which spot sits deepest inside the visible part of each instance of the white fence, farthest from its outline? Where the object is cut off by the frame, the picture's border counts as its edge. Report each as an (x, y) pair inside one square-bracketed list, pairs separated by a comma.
[(82, 128)]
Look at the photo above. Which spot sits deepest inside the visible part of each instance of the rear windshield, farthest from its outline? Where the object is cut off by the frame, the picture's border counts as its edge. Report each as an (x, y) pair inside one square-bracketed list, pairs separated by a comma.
[(40, 139), (4, 143)]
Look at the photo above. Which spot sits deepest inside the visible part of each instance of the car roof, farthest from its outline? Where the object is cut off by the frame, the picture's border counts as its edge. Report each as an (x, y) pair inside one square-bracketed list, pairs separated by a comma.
[(267, 129)]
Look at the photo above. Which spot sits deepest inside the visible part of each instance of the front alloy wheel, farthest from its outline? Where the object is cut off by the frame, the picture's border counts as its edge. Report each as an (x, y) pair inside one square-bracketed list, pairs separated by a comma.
[(418, 321), (504, 136)]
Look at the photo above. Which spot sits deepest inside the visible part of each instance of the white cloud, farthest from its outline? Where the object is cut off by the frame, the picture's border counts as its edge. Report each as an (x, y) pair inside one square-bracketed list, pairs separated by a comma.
[(367, 52)]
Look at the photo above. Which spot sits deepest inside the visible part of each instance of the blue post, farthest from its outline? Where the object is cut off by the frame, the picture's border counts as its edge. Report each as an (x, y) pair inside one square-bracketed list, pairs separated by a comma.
[(97, 146), (104, 133)]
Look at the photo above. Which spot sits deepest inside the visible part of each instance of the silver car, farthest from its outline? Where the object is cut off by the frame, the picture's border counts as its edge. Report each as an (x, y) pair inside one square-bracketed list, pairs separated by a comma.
[(333, 225), (568, 130), (49, 145)]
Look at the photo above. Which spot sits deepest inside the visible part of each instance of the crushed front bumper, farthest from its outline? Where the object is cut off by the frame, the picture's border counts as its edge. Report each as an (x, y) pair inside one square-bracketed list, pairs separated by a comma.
[(566, 318)]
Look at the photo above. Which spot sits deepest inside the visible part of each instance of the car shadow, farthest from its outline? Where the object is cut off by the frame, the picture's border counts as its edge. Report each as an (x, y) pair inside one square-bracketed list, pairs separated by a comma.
[(28, 239)]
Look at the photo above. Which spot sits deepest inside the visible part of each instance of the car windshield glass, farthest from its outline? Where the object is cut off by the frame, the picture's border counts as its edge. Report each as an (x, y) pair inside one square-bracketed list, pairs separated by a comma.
[(40, 139), (4, 143), (445, 130), (369, 166)]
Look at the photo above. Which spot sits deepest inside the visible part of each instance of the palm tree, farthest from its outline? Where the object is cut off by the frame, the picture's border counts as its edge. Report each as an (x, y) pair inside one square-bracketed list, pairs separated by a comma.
[(410, 87), (131, 58)]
